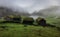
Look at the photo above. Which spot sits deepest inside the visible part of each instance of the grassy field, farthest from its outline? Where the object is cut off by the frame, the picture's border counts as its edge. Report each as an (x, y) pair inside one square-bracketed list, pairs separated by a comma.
[(53, 21), (18, 30)]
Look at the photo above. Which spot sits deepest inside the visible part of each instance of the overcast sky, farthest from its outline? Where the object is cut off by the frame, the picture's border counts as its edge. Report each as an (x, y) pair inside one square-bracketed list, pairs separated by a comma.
[(29, 5)]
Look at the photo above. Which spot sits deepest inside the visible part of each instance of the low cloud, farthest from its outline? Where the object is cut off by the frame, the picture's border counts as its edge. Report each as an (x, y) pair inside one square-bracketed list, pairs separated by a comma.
[(29, 5)]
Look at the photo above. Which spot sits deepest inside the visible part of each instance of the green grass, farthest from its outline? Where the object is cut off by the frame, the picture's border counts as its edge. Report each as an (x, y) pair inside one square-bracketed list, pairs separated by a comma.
[(53, 21), (18, 30)]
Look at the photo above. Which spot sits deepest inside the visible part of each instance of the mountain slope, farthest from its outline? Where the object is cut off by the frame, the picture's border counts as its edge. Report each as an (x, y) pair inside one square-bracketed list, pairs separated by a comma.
[(51, 11), (4, 11)]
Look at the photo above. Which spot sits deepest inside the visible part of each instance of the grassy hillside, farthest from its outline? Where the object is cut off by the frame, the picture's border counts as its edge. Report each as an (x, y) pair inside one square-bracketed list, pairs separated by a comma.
[(18, 30), (53, 21)]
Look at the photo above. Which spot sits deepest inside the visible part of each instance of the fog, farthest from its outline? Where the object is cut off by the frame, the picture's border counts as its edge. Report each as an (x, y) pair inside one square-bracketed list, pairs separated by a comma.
[(29, 5)]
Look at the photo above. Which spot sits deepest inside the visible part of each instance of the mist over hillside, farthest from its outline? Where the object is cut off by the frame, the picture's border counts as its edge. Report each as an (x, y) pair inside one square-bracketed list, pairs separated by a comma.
[(4, 11), (50, 11), (36, 7)]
